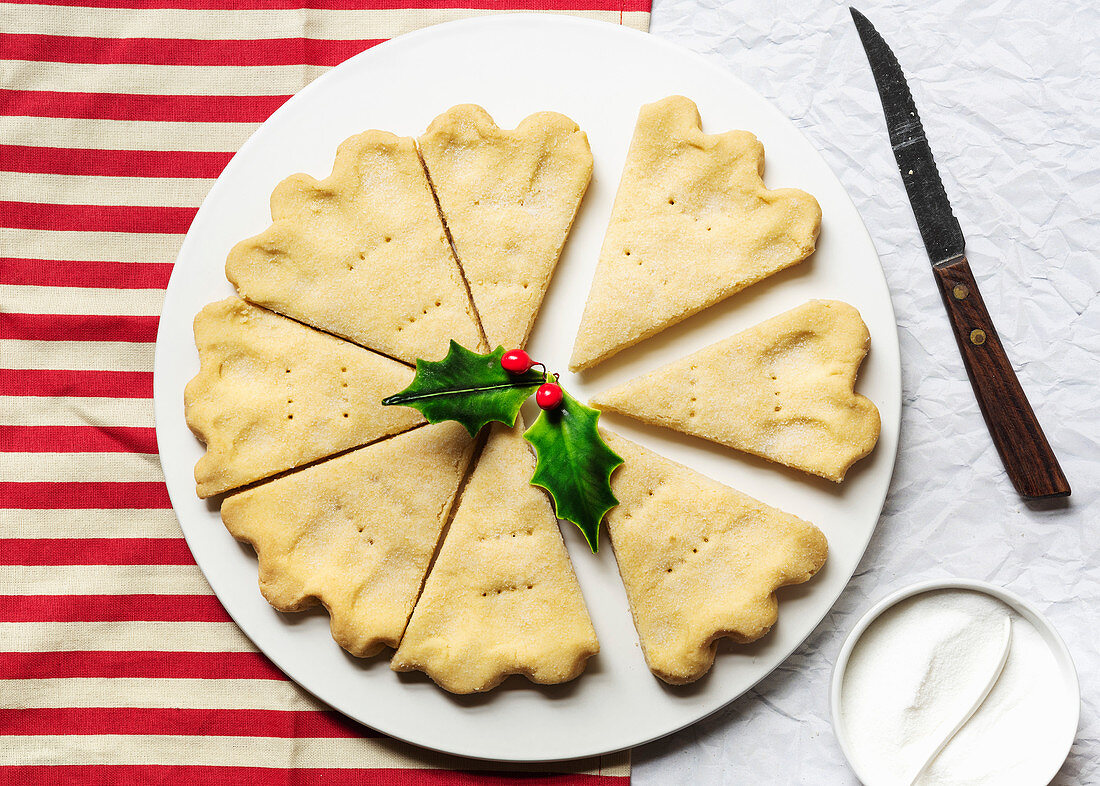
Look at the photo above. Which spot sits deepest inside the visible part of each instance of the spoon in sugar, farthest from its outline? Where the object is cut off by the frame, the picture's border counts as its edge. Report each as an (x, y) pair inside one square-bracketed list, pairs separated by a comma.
[(1006, 645)]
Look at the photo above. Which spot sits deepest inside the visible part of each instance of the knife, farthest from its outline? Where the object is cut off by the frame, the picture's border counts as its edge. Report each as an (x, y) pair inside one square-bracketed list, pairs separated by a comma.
[(1031, 464)]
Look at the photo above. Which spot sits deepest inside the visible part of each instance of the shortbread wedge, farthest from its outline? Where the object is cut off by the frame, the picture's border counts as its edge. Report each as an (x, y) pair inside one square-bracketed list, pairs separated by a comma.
[(361, 254), (691, 225), (782, 390), (272, 394), (356, 532), (509, 198), (502, 597), (700, 561)]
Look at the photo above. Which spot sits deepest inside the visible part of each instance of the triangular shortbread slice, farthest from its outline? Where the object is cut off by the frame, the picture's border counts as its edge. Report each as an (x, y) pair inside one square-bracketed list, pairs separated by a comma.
[(272, 394), (700, 560), (692, 224), (782, 390), (509, 198), (502, 597), (362, 254), (356, 532)]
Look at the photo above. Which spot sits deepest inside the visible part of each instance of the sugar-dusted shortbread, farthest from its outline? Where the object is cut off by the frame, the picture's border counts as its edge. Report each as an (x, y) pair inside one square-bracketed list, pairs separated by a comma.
[(691, 225), (356, 532), (502, 597), (700, 561), (782, 390), (509, 198), (362, 254), (272, 394)]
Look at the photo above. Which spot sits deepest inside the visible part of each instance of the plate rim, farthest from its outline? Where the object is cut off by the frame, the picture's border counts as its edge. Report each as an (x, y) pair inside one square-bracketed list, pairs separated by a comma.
[(161, 416)]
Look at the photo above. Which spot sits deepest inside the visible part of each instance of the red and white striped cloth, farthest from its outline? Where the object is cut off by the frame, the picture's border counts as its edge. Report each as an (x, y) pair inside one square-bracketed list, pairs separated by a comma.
[(117, 664)]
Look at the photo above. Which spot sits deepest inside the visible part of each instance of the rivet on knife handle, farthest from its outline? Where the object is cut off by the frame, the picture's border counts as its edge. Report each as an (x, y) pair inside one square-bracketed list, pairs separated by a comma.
[(1031, 464)]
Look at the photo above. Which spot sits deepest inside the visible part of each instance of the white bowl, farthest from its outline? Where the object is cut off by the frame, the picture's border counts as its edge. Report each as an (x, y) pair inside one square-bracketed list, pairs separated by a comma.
[(1024, 608)]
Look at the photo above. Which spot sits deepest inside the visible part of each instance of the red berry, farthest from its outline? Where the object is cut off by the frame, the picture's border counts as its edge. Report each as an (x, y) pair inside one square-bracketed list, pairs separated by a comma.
[(548, 395), (516, 361)]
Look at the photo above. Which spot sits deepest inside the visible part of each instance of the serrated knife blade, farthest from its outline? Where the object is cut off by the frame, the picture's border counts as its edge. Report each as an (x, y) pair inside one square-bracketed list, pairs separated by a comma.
[(938, 226), (1027, 456)]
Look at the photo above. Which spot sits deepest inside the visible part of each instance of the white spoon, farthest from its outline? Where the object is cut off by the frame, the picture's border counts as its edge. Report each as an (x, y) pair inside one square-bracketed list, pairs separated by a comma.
[(1006, 645)]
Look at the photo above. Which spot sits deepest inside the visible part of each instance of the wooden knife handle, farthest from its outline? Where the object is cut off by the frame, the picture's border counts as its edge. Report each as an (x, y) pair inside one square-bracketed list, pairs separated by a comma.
[(1031, 464)]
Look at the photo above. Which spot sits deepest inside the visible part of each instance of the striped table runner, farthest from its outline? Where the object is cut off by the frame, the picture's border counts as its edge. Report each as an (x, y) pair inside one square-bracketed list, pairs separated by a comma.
[(117, 664)]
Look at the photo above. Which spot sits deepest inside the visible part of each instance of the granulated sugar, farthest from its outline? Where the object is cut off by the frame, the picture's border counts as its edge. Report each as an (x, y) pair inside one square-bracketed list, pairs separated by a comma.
[(919, 670)]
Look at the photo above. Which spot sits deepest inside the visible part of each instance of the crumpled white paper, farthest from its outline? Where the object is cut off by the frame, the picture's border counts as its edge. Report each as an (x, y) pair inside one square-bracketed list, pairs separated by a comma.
[(1008, 95)]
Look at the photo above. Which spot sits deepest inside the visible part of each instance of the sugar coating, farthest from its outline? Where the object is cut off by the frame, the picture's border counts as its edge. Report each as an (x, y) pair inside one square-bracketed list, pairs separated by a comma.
[(509, 198), (362, 254), (700, 561), (691, 225), (502, 597), (782, 390), (272, 394), (356, 532)]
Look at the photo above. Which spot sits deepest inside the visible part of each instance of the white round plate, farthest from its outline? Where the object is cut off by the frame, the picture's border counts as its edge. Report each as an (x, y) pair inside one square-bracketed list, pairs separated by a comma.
[(599, 75)]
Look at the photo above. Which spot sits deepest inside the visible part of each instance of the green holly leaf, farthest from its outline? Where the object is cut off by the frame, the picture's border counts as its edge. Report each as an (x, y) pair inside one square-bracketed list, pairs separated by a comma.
[(470, 388), (574, 465)]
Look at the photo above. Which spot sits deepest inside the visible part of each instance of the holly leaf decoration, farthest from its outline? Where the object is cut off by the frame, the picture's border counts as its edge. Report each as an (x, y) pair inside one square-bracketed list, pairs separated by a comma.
[(574, 465), (470, 388)]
